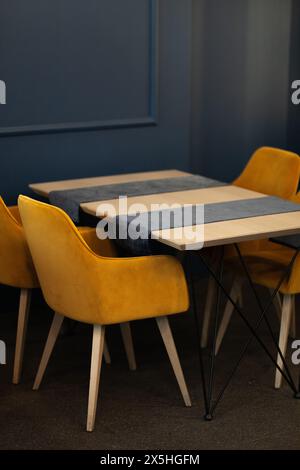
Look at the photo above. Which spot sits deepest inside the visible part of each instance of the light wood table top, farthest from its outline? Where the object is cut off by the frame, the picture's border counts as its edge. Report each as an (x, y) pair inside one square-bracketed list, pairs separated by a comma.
[(218, 233), (43, 189)]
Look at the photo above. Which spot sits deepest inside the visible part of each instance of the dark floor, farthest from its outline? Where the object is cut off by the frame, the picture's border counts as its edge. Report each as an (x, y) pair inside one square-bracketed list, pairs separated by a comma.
[(142, 409)]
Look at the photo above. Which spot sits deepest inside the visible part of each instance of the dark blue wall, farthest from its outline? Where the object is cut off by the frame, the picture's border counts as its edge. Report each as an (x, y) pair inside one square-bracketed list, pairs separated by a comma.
[(68, 64), (294, 111), (217, 86), (241, 81)]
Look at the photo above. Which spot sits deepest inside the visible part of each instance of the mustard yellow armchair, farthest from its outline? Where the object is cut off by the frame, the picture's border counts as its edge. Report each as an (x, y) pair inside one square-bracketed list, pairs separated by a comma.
[(17, 270), (266, 267), (270, 171), (78, 284)]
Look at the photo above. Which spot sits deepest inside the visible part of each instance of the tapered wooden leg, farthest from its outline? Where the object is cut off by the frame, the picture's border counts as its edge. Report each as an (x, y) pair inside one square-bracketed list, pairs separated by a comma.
[(128, 344), (234, 294), (51, 340), (278, 307), (166, 333), (106, 354), (24, 306), (284, 333), (96, 361), (210, 297)]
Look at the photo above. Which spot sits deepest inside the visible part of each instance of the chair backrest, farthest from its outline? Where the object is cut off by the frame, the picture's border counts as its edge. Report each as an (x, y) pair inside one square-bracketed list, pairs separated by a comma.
[(64, 262), (271, 171), (16, 266), (82, 285), (294, 278)]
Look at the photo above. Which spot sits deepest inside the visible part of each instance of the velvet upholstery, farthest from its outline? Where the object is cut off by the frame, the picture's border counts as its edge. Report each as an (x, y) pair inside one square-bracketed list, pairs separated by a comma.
[(16, 266), (274, 172), (270, 171), (267, 266), (86, 287), (100, 247)]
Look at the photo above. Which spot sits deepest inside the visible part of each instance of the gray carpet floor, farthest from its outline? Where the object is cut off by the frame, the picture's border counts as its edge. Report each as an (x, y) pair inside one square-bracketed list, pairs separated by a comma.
[(141, 409)]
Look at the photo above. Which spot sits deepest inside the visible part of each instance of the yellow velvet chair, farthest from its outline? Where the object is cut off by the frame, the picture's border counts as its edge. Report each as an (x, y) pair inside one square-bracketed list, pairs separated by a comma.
[(80, 285), (270, 171), (266, 268), (17, 270)]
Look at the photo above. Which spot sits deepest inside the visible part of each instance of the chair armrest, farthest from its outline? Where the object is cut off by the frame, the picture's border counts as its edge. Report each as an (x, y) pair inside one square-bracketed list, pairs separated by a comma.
[(137, 288)]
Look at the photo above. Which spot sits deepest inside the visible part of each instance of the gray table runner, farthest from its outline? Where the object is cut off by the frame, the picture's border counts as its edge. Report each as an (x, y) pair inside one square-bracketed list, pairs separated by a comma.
[(217, 212), (69, 200)]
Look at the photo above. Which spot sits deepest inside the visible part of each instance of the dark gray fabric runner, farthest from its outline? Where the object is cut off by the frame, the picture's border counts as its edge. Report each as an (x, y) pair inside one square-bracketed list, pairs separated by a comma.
[(69, 200), (217, 212)]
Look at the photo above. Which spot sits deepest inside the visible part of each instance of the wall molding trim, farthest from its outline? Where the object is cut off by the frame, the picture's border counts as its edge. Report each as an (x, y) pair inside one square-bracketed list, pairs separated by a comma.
[(145, 121)]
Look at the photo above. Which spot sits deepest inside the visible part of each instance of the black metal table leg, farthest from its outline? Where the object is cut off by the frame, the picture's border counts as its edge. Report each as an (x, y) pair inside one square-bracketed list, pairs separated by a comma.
[(260, 306), (198, 330), (207, 390), (297, 395), (209, 415), (210, 405)]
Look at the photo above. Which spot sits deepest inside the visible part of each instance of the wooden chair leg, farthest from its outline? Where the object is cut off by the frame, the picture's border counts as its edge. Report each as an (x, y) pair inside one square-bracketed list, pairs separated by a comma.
[(210, 296), (166, 333), (234, 294), (51, 340), (24, 307), (106, 353), (278, 307), (96, 361), (284, 333), (128, 344)]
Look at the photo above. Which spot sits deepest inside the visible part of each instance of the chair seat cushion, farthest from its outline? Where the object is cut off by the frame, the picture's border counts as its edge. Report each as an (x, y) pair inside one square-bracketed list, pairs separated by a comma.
[(266, 268)]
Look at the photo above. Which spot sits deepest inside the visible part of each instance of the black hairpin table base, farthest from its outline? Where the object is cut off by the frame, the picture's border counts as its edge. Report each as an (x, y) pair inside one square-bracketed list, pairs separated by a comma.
[(210, 402)]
